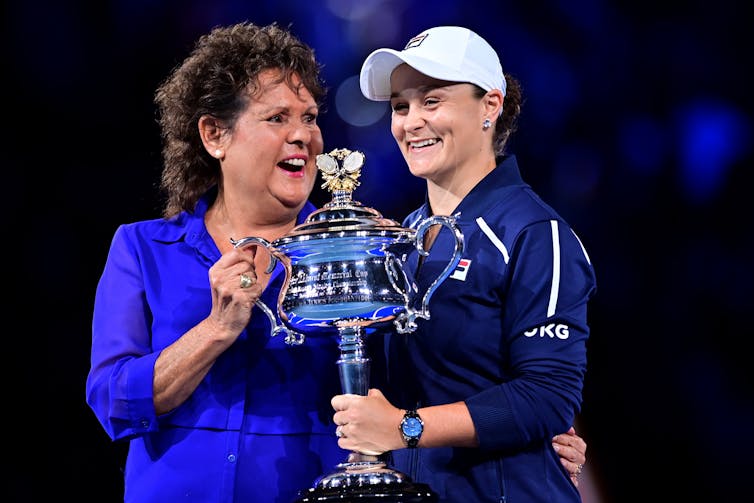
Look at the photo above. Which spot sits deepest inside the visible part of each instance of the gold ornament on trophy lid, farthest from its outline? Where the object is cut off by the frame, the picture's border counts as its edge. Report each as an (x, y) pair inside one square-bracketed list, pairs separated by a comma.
[(341, 169)]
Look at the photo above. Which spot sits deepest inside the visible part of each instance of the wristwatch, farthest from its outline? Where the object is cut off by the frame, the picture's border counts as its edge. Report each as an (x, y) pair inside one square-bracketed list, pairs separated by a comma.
[(411, 428)]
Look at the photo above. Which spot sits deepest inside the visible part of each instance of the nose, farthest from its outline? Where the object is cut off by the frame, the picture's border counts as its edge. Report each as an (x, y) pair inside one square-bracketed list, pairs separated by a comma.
[(413, 119), (300, 133)]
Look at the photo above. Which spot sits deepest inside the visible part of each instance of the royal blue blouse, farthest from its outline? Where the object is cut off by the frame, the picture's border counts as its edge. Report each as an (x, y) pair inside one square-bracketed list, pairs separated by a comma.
[(259, 425)]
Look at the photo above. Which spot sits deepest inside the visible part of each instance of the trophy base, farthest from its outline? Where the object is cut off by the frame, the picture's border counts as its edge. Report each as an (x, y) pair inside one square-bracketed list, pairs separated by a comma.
[(367, 481)]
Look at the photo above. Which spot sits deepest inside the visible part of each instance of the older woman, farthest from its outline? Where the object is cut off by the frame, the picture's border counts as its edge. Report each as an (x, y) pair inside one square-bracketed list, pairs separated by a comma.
[(182, 364)]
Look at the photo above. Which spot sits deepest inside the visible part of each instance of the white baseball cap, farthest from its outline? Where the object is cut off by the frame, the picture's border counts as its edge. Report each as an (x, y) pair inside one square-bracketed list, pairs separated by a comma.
[(449, 53)]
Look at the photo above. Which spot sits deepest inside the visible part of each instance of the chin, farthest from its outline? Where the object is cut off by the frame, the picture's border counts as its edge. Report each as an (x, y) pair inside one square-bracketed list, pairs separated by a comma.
[(420, 170), (294, 199)]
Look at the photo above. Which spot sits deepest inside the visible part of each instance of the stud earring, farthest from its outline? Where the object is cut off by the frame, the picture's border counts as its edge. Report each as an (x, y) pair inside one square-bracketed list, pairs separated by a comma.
[(486, 124), (218, 153)]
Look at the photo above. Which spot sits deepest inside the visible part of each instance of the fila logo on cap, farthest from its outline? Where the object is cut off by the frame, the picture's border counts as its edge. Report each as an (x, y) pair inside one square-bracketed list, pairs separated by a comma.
[(416, 41)]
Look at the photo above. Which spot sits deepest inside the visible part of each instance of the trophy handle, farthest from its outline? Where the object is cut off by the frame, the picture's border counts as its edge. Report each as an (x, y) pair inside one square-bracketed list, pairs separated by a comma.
[(292, 338), (394, 270), (406, 323)]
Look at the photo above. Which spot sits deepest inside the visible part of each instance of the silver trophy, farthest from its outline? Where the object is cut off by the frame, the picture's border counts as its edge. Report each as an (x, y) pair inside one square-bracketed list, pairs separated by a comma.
[(343, 274)]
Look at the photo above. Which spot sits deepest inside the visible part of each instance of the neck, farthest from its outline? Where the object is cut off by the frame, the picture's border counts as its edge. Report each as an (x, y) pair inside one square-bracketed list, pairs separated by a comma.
[(445, 194), (224, 222)]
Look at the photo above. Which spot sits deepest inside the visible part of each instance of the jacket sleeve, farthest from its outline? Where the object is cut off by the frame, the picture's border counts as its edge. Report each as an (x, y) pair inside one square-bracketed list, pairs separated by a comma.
[(550, 280)]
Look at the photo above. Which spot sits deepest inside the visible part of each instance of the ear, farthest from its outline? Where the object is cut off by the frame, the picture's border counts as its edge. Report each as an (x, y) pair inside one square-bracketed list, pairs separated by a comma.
[(492, 103), (212, 133)]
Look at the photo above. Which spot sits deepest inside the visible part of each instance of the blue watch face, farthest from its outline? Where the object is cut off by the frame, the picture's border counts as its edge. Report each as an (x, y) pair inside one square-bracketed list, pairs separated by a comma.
[(412, 426)]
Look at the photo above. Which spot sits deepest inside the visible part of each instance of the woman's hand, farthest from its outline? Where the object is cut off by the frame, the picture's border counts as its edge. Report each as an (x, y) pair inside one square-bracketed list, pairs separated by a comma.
[(235, 289), (572, 451), (367, 424)]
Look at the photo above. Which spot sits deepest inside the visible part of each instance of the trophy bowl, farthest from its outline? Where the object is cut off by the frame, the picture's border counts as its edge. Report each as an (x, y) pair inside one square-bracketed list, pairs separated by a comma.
[(344, 273)]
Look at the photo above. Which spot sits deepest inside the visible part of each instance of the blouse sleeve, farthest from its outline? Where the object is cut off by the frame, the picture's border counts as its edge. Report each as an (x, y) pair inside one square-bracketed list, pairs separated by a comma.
[(119, 384)]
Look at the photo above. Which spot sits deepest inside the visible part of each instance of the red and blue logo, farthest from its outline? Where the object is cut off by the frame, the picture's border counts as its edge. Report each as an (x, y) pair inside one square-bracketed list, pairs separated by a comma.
[(416, 41), (462, 269)]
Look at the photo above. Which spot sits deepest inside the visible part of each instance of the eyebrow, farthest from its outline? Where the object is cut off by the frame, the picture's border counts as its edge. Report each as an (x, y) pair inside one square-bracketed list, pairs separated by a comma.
[(428, 88), (278, 109)]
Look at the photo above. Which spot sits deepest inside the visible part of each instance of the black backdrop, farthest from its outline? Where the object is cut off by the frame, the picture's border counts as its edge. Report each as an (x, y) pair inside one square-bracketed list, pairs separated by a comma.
[(637, 128)]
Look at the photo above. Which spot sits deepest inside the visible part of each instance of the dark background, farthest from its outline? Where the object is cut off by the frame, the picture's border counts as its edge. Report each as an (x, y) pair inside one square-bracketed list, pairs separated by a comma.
[(637, 128)]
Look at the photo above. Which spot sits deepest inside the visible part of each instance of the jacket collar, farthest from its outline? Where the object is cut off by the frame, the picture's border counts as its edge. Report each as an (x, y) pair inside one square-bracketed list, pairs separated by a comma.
[(505, 174)]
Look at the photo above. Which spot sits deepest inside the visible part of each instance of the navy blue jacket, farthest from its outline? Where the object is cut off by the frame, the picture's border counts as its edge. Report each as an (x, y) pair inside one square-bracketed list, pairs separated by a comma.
[(507, 335)]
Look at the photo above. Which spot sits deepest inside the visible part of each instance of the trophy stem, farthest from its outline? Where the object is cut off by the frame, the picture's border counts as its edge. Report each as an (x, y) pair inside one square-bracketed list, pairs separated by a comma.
[(353, 364), (354, 367), (361, 477)]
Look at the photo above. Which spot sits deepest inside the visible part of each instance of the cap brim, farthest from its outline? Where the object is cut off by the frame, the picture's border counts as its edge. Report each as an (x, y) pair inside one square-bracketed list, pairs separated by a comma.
[(374, 79)]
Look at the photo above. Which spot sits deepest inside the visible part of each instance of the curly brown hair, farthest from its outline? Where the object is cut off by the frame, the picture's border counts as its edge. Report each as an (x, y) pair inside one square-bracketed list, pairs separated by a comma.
[(507, 124), (217, 79)]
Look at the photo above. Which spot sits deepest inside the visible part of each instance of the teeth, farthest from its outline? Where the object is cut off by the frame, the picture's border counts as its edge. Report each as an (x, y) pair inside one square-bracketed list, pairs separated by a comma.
[(295, 162), (423, 143)]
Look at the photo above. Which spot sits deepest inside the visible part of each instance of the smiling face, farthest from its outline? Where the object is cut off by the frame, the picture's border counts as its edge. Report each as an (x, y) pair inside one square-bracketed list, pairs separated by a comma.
[(438, 127), (269, 157)]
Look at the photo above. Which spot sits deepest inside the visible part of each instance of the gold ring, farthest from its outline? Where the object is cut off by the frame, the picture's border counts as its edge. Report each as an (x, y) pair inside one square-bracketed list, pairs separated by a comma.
[(246, 281), (579, 467)]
